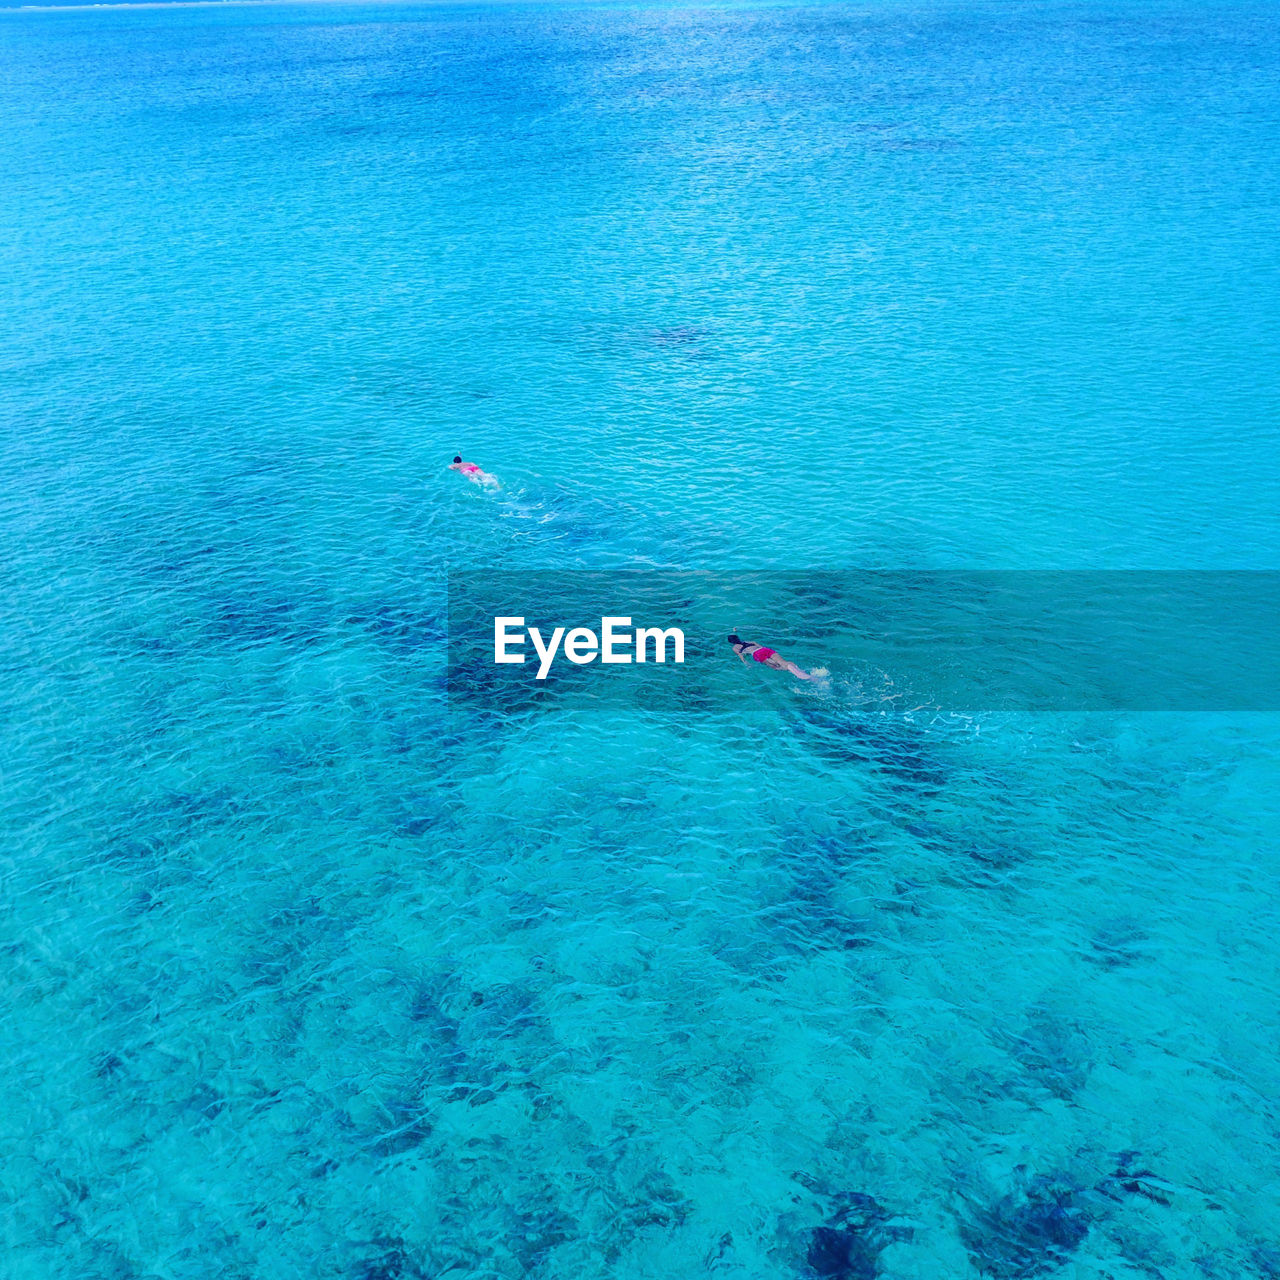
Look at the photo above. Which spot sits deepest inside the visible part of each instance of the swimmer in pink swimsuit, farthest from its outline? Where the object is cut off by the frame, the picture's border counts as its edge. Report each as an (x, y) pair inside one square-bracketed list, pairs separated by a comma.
[(473, 473), (762, 653)]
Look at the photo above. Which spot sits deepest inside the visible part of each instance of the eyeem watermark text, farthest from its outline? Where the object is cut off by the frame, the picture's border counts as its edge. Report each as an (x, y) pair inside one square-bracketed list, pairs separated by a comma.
[(614, 643)]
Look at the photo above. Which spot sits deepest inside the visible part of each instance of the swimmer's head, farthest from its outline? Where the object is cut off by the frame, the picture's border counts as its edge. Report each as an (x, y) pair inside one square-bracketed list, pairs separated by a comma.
[(457, 460), (736, 639)]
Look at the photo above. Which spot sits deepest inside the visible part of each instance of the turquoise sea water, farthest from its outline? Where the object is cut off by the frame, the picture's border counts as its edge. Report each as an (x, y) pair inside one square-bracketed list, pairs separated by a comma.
[(308, 972)]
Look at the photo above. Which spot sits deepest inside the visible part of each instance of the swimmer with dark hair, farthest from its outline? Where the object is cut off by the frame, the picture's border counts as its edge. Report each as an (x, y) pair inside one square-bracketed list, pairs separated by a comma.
[(474, 474), (770, 658)]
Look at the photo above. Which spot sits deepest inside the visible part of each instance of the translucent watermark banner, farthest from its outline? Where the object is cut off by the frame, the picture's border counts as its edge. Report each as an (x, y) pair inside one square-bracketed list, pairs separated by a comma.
[(968, 641)]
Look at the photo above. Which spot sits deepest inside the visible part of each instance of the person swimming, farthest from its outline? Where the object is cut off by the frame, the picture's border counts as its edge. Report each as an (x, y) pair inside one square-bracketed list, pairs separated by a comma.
[(769, 657), (474, 474)]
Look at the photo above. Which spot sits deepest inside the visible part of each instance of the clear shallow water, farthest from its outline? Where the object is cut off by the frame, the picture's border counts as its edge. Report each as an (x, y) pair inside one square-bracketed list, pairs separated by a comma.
[(309, 974)]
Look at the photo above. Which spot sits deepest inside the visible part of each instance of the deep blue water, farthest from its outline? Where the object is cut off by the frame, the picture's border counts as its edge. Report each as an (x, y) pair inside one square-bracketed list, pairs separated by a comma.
[(309, 973)]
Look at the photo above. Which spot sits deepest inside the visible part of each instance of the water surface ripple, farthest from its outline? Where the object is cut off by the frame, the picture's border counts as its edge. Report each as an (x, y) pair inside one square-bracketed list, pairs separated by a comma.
[(308, 973)]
